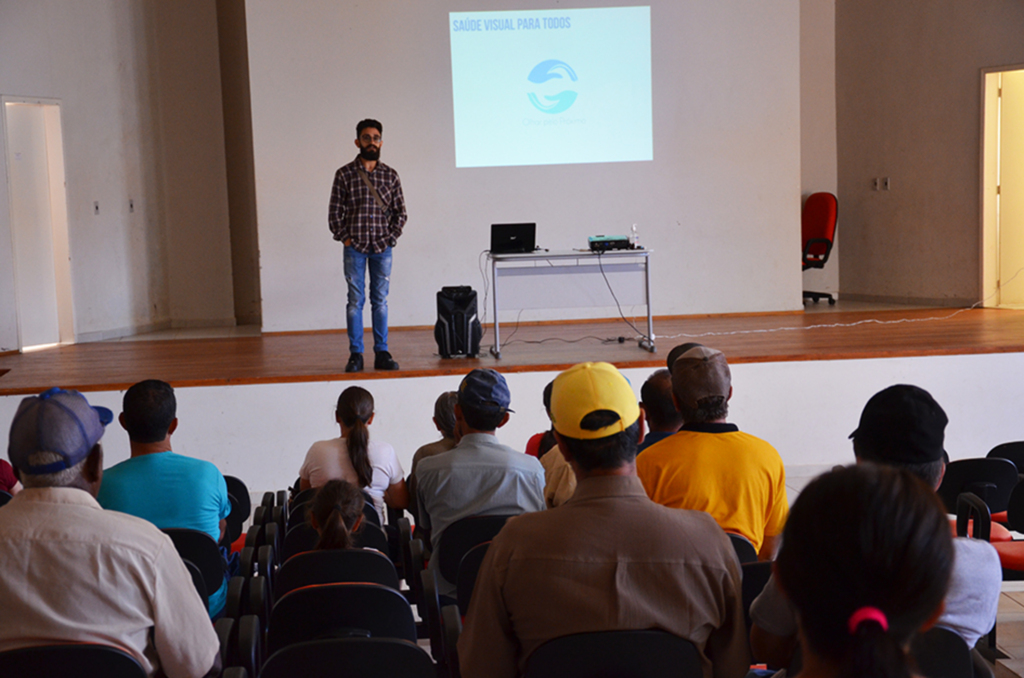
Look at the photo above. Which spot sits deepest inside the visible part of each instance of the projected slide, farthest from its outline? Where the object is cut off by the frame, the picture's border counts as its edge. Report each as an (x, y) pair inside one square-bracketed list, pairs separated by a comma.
[(552, 86)]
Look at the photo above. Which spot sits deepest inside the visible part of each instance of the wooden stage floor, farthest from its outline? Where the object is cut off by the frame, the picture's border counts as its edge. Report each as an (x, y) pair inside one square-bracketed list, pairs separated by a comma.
[(321, 356)]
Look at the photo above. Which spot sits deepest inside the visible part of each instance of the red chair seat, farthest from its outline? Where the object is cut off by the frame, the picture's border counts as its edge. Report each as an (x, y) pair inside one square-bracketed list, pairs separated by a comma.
[(1011, 554), (999, 532), (1001, 517)]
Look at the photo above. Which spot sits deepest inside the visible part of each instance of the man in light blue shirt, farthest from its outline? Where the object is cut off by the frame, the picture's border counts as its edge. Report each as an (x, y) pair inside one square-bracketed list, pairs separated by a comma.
[(155, 484), (479, 476)]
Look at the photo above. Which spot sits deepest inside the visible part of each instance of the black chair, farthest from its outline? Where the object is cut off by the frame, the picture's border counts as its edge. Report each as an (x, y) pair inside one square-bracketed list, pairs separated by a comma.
[(198, 581), (430, 610), (1014, 451), (237, 488), (303, 496), (755, 576), (451, 627), (79, 660), (330, 567), (232, 525), (299, 539), (339, 610), (370, 514), (991, 479), (200, 549), (369, 536), (623, 654), (5, 497), (365, 657), (745, 551), (468, 570), (462, 535), (941, 653), (297, 516)]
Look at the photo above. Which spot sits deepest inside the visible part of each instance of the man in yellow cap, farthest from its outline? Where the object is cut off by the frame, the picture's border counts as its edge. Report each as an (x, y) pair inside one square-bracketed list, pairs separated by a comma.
[(609, 558)]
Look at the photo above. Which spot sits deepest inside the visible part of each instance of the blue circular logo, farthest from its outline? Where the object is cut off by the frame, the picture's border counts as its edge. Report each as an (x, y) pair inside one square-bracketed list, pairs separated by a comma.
[(552, 69)]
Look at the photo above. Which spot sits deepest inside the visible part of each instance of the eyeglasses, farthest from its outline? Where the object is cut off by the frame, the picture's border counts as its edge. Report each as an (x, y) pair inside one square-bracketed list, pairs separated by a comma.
[(366, 138)]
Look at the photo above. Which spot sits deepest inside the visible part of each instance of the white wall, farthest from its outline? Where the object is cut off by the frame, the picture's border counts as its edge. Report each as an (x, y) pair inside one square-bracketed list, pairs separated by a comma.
[(818, 170), (805, 409), (115, 65), (719, 205)]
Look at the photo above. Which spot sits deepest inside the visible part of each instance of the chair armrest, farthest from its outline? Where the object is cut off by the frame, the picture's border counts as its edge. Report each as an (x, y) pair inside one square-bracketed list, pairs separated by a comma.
[(451, 627), (969, 505)]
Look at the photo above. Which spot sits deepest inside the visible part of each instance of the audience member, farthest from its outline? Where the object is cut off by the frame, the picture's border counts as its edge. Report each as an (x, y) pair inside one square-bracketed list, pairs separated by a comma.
[(541, 443), (8, 480), (479, 476), (609, 558), (371, 465), (335, 512), (903, 427), (866, 559), (660, 413), (559, 479), (710, 465), (155, 484), (444, 420), (71, 572)]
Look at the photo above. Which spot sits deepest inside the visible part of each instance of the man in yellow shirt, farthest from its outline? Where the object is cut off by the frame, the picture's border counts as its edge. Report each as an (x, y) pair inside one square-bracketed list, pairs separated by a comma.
[(710, 465)]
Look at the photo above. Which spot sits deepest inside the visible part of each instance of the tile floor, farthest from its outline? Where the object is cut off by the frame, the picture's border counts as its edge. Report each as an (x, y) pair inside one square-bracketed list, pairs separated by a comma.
[(1010, 630)]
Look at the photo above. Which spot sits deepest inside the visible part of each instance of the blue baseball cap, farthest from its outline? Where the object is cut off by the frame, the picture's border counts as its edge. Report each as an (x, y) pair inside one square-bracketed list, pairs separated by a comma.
[(485, 389), (58, 421)]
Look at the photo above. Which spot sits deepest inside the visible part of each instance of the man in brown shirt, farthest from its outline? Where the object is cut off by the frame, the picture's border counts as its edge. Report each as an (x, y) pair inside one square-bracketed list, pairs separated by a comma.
[(607, 559)]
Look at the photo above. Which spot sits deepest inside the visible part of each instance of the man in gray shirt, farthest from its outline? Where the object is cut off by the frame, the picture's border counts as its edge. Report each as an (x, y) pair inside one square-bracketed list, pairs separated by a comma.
[(479, 476), (900, 426)]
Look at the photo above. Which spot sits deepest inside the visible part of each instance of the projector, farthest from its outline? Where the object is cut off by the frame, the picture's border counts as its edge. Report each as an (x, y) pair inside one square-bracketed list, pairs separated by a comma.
[(603, 243)]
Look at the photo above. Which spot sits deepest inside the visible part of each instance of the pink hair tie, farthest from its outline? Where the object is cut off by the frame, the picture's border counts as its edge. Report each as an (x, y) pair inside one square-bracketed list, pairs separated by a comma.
[(864, 614)]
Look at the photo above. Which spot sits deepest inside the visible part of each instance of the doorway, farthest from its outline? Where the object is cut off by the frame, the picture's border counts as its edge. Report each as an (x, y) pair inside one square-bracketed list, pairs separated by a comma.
[(39, 222), (1003, 188)]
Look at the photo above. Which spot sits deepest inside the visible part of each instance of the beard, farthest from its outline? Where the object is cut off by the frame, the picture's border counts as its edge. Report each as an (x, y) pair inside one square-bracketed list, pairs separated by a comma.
[(369, 153)]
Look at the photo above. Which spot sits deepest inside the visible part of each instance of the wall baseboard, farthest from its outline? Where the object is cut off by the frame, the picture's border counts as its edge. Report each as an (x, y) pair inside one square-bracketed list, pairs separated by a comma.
[(120, 332), (908, 301), (199, 324)]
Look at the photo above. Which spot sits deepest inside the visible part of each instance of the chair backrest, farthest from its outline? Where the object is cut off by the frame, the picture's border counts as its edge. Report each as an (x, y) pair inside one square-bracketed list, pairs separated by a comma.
[(462, 535), (300, 538), (370, 514), (745, 551), (624, 654), (365, 657), (335, 566), (339, 610), (237, 488), (469, 568), (297, 516), (372, 537), (1015, 508), (303, 496), (199, 582), (755, 576), (992, 479), (200, 548), (78, 660), (818, 227), (941, 653), (5, 497), (1014, 451)]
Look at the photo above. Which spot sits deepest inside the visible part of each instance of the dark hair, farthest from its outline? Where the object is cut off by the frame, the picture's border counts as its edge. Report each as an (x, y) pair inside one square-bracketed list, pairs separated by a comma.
[(929, 471), (355, 407), (149, 407), (603, 453), (444, 413), (656, 396), (547, 396), (708, 409), (865, 536), (336, 507), (483, 419), (369, 122)]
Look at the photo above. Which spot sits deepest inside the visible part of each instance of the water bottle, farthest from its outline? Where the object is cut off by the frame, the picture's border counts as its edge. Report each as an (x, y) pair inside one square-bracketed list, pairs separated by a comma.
[(634, 239)]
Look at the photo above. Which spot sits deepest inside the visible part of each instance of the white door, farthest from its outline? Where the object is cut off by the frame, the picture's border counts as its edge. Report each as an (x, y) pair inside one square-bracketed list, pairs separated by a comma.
[(38, 223)]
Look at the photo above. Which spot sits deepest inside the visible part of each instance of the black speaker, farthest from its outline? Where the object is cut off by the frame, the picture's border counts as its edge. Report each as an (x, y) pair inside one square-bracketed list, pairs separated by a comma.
[(457, 330)]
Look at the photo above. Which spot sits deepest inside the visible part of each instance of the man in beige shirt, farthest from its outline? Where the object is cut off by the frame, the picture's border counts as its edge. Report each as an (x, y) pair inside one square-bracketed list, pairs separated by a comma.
[(607, 559), (71, 572)]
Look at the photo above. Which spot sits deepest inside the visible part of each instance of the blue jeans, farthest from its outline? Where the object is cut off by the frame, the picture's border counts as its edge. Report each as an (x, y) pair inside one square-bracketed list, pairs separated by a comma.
[(380, 278)]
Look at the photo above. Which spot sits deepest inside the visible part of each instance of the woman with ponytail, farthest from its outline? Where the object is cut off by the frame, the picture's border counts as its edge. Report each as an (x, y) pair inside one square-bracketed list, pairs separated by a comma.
[(866, 559), (370, 465), (335, 512)]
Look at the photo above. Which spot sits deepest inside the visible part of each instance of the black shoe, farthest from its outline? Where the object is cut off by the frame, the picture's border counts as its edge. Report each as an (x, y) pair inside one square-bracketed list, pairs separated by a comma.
[(355, 363), (384, 361)]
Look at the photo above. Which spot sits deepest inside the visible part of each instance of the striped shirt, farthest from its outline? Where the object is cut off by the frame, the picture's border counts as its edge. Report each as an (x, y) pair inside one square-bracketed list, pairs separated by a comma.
[(354, 212)]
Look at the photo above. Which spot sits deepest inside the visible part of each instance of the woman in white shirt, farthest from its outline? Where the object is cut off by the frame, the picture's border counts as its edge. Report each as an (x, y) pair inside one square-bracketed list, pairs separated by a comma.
[(369, 464)]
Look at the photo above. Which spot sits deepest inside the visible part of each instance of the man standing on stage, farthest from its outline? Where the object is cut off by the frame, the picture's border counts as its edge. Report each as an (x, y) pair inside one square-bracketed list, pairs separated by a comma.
[(367, 214)]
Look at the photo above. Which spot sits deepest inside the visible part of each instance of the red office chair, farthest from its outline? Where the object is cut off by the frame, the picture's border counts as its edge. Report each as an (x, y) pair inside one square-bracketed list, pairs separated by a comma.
[(819, 232)]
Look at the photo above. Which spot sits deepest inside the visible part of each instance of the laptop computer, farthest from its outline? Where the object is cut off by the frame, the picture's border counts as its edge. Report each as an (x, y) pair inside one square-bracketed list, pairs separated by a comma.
[(513, 238)]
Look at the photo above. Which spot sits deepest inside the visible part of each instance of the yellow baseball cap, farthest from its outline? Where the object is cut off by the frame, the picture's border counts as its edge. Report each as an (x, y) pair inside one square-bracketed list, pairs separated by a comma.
[(589, 387)]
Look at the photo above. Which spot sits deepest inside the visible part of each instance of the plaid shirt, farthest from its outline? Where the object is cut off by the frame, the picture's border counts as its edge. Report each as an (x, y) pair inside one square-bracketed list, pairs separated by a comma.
[(355, 214)]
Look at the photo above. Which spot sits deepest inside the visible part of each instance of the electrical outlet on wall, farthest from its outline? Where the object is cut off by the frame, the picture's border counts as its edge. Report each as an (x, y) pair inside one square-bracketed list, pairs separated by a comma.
[(885, 183), (876, 183)]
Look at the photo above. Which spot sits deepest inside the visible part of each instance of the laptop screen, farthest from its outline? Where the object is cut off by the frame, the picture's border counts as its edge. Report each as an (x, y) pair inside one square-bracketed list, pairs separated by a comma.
[(513, 238)]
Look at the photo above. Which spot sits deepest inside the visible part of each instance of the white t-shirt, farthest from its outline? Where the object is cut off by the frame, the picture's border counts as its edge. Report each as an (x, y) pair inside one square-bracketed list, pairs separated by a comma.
[(329, 460)]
